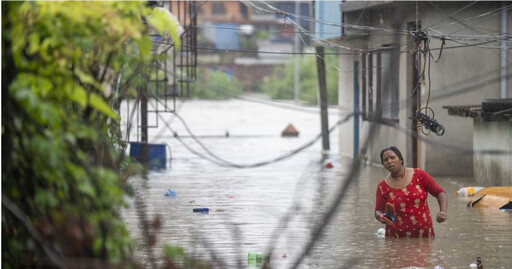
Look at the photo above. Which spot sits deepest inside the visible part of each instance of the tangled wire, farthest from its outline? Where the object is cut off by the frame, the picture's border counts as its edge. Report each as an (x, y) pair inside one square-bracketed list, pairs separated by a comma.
[(429, 123)]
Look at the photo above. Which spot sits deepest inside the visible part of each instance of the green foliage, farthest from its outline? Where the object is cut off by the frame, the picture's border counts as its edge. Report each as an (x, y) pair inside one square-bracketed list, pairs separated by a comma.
[(176, 256), (215, 85), (281, 84), (62, 154)]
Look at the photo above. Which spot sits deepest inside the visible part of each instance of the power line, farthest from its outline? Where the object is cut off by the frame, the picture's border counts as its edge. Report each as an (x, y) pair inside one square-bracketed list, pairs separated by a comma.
[(449, 16), (474, 17), (485, 19), (445, 146), (220, 161)]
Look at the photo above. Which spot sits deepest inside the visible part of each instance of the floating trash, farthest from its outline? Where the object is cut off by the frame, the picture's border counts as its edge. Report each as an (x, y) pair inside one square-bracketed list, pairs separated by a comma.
[(256, 256), (289, 131), (381, 233), (329, 166), (468, 191), (170, 193), (203, 210)]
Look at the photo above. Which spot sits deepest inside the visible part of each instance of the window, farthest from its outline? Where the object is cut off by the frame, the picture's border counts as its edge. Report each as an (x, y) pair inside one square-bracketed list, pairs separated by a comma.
[(379, 85), (218, 9)]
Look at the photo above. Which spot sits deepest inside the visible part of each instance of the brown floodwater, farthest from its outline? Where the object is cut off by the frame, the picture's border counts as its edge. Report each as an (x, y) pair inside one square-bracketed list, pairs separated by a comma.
[(248, 206)]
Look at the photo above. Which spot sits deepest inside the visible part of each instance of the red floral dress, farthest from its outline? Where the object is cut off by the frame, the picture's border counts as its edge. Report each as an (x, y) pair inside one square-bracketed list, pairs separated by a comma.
[(412, 212)]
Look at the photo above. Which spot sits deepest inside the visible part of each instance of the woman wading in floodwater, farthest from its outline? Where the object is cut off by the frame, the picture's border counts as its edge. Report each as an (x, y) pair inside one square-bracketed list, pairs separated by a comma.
[(405, 192)]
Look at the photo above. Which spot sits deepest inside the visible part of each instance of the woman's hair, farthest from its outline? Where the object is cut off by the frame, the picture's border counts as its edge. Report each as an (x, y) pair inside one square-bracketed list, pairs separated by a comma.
[(395, 150)]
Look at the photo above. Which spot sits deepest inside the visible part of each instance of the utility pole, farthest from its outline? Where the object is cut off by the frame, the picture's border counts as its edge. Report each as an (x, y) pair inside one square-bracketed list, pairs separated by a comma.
[(322, 97), (296, 56)]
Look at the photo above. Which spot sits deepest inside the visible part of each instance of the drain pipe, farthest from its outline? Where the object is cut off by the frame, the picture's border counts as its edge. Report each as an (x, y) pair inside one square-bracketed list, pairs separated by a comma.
[(504, 49)]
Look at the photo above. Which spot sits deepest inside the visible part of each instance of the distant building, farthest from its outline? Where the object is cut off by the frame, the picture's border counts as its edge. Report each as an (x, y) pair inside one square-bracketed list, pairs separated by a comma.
[(234, 25)]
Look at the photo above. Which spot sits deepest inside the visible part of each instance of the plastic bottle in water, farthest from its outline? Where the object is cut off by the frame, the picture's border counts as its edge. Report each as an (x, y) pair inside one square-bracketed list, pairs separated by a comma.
[(256, 256)]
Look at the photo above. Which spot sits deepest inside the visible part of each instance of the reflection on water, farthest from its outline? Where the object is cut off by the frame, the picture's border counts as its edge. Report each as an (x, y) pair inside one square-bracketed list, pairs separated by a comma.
[(247, 206), (391, 253)]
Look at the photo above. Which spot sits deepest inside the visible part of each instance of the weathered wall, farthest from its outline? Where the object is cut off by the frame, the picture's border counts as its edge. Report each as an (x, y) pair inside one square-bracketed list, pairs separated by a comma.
[(463, 70), (493, 170)]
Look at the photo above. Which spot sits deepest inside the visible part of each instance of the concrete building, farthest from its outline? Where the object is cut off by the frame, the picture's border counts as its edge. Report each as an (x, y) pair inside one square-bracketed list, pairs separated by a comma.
[(492, 131), (233, 25), (467, 45)]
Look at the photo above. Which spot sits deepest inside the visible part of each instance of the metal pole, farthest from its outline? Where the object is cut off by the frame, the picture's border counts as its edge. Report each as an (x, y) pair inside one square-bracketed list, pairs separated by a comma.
[(296, 56), (322, 97), (356, 109)]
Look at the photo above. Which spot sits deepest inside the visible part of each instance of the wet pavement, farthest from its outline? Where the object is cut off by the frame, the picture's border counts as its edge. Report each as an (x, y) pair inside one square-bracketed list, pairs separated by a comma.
[(248, 206)]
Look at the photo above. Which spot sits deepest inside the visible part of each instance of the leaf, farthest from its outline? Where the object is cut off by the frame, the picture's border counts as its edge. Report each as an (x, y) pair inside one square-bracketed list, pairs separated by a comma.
[(33, 43), (45, 199), (85, 187), (98, 103), (78, 95), (87, 79), (144, 44), (165, 23)]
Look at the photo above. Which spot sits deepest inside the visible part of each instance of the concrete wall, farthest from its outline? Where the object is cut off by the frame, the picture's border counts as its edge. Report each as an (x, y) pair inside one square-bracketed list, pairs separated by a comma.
[(458, 69), (493, 170)]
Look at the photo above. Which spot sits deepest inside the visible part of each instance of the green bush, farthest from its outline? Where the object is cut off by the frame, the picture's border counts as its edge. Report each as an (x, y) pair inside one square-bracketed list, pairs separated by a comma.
[(281, 84), (215, 85), (63, 180)]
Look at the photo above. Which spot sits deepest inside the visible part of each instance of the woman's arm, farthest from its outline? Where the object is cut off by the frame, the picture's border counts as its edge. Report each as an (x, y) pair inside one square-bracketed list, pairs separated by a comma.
[(442, 201), (380, 202)]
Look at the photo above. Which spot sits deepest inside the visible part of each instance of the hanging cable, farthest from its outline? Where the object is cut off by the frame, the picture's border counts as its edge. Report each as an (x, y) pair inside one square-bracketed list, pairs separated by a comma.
[(212, 157)]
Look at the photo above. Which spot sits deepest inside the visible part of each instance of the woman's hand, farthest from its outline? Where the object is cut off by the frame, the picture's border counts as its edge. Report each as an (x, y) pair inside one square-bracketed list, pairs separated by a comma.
[(441, 216), (377, 217)]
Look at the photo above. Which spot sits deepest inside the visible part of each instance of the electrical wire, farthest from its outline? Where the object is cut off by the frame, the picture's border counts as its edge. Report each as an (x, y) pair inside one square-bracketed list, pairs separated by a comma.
[(274, 10), (449, 16), (497, 11), (445, 147), (485, 19), (220, 161)]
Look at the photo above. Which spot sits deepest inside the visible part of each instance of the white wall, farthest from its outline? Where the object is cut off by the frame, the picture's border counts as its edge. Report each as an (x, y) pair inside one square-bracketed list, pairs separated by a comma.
[(493, 170)]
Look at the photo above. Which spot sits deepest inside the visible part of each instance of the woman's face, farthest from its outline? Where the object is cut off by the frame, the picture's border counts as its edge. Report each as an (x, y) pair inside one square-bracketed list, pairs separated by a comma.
[(391, 161)]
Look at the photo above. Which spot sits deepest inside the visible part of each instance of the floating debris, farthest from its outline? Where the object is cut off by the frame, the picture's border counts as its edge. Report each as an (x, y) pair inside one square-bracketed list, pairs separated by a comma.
[(203, 210), (381, 233), (290, 131), (468, 191), (170, 193)]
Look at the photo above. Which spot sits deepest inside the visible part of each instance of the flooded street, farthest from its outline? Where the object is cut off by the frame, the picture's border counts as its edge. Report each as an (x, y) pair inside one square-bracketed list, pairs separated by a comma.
[(248, 206)]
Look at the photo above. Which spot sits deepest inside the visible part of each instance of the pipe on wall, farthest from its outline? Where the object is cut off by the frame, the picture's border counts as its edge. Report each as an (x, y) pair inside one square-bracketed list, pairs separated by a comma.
[(503, 50)]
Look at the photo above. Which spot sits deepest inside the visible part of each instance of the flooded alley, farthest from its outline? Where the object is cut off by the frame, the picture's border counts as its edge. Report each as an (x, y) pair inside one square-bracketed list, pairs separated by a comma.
[(248, 207)]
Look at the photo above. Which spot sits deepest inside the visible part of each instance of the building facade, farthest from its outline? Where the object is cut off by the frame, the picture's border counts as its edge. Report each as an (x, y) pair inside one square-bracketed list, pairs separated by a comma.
[(421, 56)]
